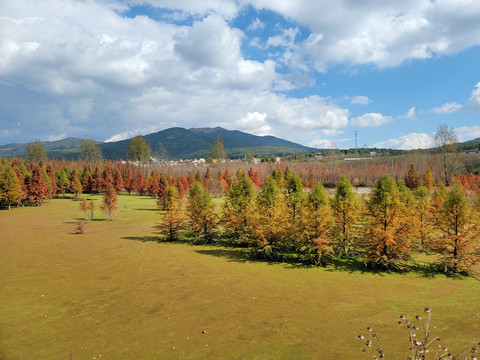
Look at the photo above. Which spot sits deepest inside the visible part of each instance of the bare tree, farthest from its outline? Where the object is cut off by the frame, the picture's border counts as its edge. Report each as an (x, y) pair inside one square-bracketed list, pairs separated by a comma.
[(447, 143)]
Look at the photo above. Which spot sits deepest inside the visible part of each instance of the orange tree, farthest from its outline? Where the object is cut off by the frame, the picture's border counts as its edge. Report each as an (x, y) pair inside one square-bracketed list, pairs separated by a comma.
[(109, 204), (458, 244), (388, 229), (271, 224)]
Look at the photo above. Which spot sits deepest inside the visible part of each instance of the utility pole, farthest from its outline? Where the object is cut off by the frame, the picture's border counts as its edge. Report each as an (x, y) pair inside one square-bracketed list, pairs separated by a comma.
[(356, 144)]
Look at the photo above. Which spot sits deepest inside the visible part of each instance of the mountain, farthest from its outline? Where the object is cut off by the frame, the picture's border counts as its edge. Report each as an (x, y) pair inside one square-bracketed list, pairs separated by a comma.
[(180, 143), (174, 143), (66, 144)]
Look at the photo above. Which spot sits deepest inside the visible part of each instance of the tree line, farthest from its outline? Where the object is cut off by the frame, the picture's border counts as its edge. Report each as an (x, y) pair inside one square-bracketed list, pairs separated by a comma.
[(283, 221), (285, 214)]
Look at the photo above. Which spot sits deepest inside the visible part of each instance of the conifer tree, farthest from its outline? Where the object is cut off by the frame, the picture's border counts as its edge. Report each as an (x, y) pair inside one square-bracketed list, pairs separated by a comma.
[(85, 207), (36, 186), (98, 183), (271, 229), (172, 218), (238, 210), (200, 211), (458, 245), (10, 187), (117, 180), (109, 204), (388, 230), (62, 181), (423, 219), (411, 180), (316, 221), (128, 180), (75, 184), (345, 208), (294, 193), (139, 183), (428, 180)]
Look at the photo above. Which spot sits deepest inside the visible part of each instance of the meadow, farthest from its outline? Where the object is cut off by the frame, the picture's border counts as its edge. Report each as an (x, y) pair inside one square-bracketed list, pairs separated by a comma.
[(116, 293)]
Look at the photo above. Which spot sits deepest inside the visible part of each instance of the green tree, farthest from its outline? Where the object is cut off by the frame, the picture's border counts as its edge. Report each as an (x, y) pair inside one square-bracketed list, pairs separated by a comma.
[(139, 150), (90, 151), (10, 187), (171, 219), (294, 192), (316, 221), (36, 151), (271, 227), (238, 209), (447, 143), (345, 208), (200, 211), (62, 181), (217, 150)]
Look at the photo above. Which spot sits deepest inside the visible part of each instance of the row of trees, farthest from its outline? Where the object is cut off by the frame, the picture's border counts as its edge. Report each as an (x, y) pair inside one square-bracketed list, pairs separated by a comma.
[(282, 220)]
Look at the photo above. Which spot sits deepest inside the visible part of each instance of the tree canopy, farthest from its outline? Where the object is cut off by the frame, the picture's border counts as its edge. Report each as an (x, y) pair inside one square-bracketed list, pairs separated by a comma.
[(139, 150)]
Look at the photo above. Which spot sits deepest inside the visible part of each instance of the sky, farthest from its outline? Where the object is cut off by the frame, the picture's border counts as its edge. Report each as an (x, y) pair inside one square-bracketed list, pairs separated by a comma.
[(310, 71)]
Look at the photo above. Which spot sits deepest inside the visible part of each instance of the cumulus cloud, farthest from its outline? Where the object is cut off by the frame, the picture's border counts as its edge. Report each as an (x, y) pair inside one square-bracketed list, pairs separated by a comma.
[(407, 142), (447, 108), (362, 100), (384, 33), (254, 123), (371, 119), (474, 100)]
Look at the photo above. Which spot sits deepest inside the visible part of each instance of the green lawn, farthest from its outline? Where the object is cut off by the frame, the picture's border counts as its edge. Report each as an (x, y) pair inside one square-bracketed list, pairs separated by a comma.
[(112, 294)]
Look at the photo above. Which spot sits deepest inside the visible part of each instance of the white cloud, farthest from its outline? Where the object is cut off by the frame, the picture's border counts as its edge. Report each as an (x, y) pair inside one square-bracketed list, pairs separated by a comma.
[(466, 133), (447, 108), (407, 142), (254, 123), (385, 33), (322, 144), (371, 120), (256, 24), (410, 114), (474, 100), (362, 100)]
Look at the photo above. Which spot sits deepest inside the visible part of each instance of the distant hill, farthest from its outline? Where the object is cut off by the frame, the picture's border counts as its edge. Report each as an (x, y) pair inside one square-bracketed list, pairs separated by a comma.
[(471, 144), (174, 143), (183, 143), (51, 146)]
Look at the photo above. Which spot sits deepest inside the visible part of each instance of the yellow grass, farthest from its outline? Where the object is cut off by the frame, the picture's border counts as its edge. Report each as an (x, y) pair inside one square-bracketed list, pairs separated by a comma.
[(108, 295)]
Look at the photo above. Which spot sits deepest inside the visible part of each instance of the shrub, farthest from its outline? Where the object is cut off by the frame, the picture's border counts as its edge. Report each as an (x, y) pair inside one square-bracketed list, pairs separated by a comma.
[(423, 345)]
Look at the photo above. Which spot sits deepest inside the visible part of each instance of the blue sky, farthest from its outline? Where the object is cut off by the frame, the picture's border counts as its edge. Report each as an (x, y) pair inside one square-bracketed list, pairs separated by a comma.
[(313, 72)]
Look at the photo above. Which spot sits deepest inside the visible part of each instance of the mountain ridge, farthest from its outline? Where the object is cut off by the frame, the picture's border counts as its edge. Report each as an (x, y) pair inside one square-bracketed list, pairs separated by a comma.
[(175, 143)]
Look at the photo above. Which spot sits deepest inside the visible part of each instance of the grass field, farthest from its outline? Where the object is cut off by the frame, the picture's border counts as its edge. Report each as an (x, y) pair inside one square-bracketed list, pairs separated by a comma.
[(113, 294)]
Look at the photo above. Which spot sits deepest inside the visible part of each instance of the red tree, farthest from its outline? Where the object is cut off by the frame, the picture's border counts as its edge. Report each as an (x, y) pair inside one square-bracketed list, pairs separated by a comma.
[(139, 183), (36, 186)]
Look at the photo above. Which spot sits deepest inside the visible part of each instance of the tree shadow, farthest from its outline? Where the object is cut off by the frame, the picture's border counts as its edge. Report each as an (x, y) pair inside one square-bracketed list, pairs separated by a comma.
[(237, 255)]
